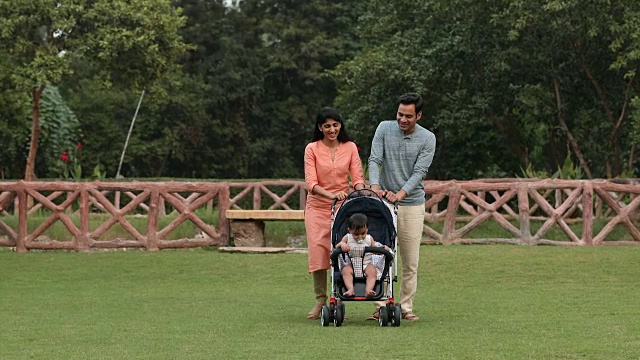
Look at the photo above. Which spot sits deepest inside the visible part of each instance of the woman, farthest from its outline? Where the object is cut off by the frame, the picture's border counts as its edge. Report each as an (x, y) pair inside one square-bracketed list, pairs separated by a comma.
[(329, 159)]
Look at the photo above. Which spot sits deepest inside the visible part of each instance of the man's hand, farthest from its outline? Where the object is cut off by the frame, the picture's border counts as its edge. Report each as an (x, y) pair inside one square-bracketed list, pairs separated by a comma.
[(389, 195), (399, 196)]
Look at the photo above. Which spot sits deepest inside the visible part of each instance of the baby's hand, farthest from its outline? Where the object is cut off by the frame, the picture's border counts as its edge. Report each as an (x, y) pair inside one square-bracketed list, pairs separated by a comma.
[(345, 248), (387, 248)]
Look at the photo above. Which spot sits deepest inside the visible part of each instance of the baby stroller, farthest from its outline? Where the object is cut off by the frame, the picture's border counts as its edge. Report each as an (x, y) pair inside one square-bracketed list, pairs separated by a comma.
[(382, 221)]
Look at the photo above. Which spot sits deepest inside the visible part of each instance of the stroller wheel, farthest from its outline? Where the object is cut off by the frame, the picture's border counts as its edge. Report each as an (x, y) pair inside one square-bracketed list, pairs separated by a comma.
[(339, 316), (397, 315), (332, 312), (325, 316), (383, 319)]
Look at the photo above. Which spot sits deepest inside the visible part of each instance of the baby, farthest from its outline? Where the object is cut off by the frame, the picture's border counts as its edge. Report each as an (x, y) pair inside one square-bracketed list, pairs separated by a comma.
[(358, 226)]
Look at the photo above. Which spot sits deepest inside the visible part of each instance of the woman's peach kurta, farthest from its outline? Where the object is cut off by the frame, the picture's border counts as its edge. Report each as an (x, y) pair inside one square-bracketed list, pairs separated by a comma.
[(333, 176)]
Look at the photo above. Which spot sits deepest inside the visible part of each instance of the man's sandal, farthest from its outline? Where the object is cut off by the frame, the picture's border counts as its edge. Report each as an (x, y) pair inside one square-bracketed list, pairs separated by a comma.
[(409, 316), (375, 315)]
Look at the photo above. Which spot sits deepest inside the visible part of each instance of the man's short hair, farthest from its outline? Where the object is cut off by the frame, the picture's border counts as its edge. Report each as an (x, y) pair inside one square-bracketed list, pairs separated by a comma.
[(411, 98)]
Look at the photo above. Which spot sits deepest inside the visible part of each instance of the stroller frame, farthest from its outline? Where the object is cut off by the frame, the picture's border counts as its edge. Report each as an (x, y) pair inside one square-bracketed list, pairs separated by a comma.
[(377, 210)]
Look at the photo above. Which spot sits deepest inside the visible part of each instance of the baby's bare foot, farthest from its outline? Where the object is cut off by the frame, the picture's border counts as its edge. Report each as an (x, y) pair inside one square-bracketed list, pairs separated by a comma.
[(349, 293), (371, 293)]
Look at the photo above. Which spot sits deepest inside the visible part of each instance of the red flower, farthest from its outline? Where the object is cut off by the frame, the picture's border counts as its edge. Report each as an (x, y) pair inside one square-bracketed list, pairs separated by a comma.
[(79, 145), (65, 157)]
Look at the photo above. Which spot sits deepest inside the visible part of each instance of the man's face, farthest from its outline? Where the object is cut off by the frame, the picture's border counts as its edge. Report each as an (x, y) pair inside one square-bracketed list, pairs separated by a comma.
[(407, 118)]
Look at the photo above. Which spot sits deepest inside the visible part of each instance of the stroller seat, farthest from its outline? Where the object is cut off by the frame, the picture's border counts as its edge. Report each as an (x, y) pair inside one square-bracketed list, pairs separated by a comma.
[(355, 258)]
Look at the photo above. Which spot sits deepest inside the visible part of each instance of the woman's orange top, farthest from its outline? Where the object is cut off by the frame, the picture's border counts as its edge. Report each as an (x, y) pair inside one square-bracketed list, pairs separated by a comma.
[(331, 175)]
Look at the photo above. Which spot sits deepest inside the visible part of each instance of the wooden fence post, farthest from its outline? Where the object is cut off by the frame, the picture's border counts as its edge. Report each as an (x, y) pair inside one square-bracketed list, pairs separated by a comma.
[(303, 196), (224, 199), (523, 212), (452, 211), (22, 218), (162, 208), (152, 221), (257, 204), (587, 213), (116, 201), (82, 242)]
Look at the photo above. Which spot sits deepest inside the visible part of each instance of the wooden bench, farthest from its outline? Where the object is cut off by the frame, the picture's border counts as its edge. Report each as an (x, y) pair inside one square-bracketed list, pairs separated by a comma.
[(247, 226)]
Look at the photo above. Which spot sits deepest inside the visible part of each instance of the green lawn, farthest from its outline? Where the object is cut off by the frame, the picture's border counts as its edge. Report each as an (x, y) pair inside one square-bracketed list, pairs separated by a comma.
[(476, 302)]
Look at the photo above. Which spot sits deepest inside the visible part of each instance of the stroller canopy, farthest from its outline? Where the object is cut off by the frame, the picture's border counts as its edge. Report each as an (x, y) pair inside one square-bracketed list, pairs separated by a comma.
[(380, 219)]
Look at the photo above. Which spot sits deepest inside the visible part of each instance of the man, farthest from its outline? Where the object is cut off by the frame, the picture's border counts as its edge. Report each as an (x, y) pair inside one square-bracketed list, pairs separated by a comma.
[(401, 153)]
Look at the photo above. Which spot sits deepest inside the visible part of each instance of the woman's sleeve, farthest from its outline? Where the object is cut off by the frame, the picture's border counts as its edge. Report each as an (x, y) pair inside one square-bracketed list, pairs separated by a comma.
[(355, 167), (310, 173)]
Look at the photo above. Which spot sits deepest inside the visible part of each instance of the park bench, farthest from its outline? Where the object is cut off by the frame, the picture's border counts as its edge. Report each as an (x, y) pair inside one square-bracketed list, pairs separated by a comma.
[(247, 226)]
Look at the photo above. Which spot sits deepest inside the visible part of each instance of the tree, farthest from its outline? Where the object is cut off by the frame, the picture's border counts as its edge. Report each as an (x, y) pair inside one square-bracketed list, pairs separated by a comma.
[(300, 42), (14, 132), (589, 64), (226, 73), (264, 67), (449, 53), (246, 102), (507, 83), (129, 42)]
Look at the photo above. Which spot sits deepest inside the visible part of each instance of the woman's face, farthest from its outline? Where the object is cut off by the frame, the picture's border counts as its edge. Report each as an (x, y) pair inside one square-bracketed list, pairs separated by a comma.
[(330, 129)]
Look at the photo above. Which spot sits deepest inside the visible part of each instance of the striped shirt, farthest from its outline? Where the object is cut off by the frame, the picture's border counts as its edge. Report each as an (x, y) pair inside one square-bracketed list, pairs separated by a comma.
[(401, 162)]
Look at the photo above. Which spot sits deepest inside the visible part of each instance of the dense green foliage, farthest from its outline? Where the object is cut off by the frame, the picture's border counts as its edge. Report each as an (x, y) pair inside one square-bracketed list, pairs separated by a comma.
[(510, 85), (132, 43)]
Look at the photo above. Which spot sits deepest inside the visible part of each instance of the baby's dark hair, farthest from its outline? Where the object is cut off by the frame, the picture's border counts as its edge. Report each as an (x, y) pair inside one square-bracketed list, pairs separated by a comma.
[(357, 221)]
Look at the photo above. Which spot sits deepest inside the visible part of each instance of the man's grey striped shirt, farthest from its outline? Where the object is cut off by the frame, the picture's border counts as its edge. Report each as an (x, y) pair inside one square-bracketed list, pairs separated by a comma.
[(400, 161)]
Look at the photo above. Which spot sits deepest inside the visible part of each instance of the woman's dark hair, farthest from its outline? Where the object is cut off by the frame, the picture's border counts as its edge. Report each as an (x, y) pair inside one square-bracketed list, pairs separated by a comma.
[(411, 98), (357, 221), (324, 115)]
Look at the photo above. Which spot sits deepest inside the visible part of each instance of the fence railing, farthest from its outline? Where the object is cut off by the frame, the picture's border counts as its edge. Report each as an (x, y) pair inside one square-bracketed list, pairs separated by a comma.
[(152, 215), (584, 212), (89, 210)]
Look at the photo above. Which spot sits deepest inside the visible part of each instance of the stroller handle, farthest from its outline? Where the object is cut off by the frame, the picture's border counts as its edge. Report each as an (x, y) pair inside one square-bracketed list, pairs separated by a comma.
[(388, 256), (355, 194)]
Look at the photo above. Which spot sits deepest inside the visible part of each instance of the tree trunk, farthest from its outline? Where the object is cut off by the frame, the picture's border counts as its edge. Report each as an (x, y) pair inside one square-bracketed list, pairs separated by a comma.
[(29, 174), (630, 162), (613, 165), (512, 137), (572, 140)]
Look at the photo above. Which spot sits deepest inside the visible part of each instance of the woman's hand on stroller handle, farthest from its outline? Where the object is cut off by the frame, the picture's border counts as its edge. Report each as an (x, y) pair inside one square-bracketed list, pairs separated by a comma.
[(340, 195)]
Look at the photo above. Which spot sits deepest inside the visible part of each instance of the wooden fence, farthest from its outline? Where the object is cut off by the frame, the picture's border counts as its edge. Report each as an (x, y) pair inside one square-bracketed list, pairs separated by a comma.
[(576, 212), (606, 212)]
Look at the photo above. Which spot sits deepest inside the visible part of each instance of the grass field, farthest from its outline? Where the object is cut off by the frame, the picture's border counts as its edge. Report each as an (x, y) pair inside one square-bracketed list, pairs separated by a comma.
[(476, 302)]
